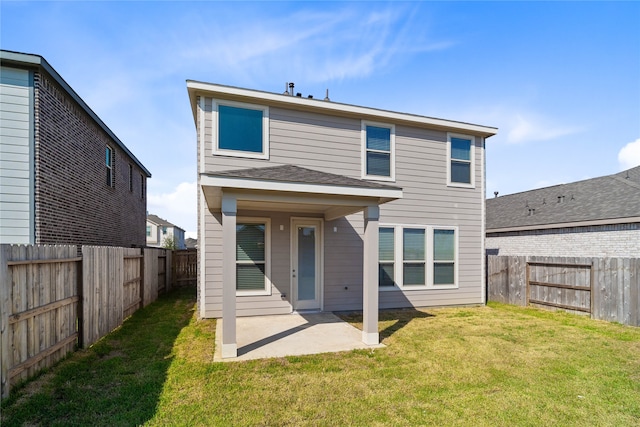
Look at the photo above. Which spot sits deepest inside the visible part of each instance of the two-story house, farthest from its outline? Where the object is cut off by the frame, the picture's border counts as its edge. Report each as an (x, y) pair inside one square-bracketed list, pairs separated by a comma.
[(65, 177), (159, 229), (309, 204)]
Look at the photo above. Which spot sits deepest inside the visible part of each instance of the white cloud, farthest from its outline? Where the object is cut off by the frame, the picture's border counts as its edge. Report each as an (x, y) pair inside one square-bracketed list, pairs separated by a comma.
[(178, 206), (345, 42), (527, 127), (629, 155)]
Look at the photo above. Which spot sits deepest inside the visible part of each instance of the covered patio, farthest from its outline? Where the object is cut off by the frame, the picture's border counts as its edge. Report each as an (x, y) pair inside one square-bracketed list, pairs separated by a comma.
[(289, 188), (295, 334)]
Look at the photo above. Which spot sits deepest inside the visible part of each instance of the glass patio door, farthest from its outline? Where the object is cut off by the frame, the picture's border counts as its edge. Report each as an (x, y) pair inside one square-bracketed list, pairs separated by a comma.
[(306, 274)]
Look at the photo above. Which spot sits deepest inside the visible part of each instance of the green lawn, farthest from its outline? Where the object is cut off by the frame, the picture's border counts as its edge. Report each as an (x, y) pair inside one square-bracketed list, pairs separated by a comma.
[(495, 365)]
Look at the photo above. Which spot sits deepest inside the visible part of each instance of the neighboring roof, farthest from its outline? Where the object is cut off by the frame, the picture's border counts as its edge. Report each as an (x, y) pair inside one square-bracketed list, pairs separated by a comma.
[(328, 107), (9, 58), (160, 221), (191, 243), (297, 174), (610, 199)]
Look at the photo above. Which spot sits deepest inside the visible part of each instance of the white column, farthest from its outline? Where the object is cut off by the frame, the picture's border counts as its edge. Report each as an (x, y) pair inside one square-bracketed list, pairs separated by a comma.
[(370, 277), (229, 210)]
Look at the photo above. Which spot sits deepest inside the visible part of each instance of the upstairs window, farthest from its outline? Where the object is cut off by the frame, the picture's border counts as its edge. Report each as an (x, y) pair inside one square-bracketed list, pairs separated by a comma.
[(148, 231), (241, 130), (109, 164), (460, 150), (142, 186), (378, 151)]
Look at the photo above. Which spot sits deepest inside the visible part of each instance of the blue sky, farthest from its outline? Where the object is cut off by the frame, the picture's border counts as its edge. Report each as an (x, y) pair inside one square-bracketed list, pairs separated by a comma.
[(561, 81)]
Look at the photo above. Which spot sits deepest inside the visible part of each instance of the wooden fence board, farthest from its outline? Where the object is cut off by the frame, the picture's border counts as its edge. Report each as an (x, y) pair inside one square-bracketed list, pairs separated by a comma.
[(5, 310)]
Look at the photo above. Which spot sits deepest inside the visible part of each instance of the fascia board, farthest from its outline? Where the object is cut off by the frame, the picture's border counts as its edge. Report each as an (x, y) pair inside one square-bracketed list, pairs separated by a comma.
[(254, 184), (628, 220)]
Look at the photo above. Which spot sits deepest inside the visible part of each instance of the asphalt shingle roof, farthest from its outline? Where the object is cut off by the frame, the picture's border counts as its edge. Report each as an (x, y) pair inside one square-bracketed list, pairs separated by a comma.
[(606, 197), (160, 221), (297, 174)]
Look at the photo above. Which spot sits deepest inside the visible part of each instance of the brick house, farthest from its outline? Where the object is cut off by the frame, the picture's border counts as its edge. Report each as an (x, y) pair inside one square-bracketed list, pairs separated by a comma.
[(598, 217), (65, 178)]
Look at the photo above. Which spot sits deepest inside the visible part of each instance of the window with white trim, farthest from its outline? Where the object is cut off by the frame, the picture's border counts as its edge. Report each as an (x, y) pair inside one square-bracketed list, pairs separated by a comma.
[(240, 130), (252, 257), (417, 257), (414, 256), (460, 155), (378, 151), (444, 256), (386, 254)]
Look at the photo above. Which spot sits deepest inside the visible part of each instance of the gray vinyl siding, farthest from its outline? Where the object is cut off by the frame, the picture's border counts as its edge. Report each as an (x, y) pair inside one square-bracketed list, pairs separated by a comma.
[(16, 156), (333, 144)]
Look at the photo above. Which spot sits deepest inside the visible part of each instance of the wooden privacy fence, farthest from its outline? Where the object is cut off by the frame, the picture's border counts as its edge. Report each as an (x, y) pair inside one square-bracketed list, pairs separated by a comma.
[(51, 300), (185, 267), (605, 288)]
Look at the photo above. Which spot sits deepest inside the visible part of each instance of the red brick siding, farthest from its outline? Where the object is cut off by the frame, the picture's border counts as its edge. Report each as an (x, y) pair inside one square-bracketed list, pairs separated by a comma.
[(73, 203)]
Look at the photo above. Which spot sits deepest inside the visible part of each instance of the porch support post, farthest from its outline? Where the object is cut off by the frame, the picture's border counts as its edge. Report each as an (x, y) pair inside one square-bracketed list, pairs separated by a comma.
[(370, 276), (229, 210)]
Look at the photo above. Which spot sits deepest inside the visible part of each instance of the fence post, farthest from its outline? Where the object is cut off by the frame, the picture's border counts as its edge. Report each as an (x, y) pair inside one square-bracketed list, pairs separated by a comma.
[(4, 321), (142, 278), (80, 306)]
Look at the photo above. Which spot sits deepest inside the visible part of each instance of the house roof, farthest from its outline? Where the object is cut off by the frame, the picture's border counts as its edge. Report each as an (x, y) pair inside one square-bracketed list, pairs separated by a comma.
[(196, 88), (18, 59), (609, 199), (160, 221), (297, 174)]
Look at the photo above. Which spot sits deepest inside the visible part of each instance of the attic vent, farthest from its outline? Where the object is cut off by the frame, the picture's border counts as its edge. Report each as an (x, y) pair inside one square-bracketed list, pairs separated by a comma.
[(531, 212), (560, 199)]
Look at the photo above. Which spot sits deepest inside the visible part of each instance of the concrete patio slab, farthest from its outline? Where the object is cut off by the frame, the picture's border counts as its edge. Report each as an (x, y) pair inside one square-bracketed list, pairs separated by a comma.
[(295, 334)]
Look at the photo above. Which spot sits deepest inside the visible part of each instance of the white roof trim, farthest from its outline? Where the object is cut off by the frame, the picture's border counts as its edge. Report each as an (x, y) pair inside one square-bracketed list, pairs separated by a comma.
[(330, 106), (628, 220), (257, 184)]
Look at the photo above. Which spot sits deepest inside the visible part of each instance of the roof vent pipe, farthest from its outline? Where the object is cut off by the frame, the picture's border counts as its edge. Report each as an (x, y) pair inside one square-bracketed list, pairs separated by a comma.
[(495, 194), (286, 88), (291, 86), (326, 97)]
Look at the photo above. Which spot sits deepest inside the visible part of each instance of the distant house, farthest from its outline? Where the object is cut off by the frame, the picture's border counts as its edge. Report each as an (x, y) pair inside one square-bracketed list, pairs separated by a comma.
[(309, 204), (598, 217), (159, 229), (191, 243), (65, 178)]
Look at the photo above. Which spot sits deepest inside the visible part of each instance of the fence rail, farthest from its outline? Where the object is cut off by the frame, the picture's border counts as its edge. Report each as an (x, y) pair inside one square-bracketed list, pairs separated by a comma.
[(605, 288), (52, 301)]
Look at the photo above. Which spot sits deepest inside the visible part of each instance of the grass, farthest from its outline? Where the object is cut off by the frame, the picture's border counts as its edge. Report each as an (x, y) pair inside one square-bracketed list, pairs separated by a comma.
[(495, 365)]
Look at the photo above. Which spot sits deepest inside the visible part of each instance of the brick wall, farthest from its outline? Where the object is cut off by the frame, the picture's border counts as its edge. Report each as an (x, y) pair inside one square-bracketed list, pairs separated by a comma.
[(622, 240), (73, 203)]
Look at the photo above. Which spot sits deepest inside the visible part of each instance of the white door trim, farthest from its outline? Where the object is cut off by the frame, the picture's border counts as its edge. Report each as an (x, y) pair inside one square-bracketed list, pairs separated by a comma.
[(293, 253)]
